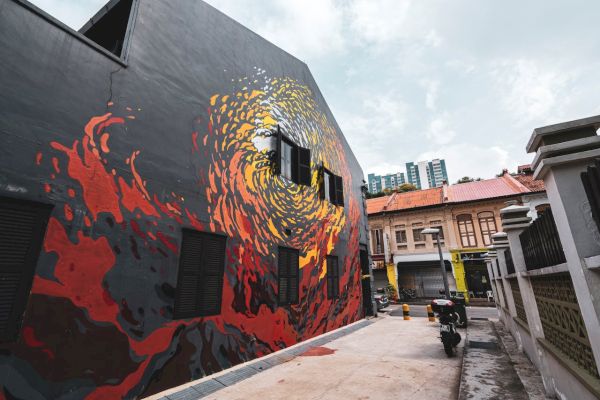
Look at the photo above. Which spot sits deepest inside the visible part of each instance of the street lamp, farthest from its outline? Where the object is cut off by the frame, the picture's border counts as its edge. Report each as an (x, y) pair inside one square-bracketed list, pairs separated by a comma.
[(436, 235)]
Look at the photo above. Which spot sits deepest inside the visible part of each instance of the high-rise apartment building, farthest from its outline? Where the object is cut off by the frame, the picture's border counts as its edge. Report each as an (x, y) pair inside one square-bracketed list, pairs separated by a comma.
[(377, 183), (427, 174), (423, 174)]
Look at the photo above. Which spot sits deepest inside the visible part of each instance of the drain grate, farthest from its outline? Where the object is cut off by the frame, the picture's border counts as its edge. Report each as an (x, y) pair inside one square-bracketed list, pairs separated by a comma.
[(479, 319), (483, 345)]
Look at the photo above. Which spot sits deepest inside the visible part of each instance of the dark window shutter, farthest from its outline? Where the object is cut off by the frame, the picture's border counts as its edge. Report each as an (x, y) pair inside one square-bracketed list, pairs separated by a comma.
[(304, 166), (213, 263), (333, 277), (188, 281), (200, 278), (22, 228), (339, 191), (283, 276), (288, 274), (294, 275), (278, 155), (332, 192)]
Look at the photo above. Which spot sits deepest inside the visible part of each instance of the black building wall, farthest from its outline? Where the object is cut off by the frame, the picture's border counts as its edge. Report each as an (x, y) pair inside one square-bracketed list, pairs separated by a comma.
[(128, 151)]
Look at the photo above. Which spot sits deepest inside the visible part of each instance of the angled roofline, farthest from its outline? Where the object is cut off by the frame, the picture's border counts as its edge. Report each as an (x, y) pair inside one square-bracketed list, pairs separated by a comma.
[(67, 29)]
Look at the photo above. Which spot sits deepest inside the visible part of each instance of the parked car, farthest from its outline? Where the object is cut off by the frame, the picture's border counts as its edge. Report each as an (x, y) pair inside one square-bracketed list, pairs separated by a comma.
[(382, 301)]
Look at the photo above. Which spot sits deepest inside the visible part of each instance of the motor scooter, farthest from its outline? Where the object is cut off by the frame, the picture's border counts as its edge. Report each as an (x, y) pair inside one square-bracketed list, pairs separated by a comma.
[(448, 318)]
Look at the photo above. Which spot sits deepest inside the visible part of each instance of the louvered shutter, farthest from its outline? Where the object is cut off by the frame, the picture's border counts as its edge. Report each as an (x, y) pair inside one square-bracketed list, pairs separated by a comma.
[(294, 277), (288, 276), (200, 277), (329, 279), (188, 280), (22, 229), (283, 276), (304, 166), (333, 278), (336, 279), (278, 155), (332, 192), (339, 191), (211, 283), (295, 164)]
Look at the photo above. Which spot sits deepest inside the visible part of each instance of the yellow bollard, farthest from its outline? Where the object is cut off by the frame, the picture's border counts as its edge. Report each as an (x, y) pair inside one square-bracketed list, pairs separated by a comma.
[(430, 313), (406, 311)]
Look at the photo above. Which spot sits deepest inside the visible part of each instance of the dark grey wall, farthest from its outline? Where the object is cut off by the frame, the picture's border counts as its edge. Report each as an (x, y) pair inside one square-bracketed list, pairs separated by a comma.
[(99, 318)]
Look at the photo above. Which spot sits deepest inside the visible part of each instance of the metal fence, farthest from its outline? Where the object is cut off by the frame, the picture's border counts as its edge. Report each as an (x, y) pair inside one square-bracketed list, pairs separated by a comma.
[(510, 265), (591, 184), (541, 243)]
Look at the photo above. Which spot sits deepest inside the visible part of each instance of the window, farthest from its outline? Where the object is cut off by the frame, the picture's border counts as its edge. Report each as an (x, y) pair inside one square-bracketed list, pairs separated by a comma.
[(333, 278), (288, 274), (200, 276), (108, 28), (331, 188), (441, 229), (22, 228), (294, 161), (286, 159), (400, 236), (417, 236), (377, 241), (466, 230), (487, 223)]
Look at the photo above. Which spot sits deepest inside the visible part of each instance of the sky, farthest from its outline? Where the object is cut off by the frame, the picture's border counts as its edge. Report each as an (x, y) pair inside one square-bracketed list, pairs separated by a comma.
[(409, 80)]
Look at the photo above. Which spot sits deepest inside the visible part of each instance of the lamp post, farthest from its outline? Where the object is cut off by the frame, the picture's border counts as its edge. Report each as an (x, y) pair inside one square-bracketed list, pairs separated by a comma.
[(436, 235)]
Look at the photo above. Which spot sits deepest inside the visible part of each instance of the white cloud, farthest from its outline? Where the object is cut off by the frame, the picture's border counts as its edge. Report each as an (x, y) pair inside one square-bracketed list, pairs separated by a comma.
[(72, 13), (376, 132), (433, 38), (431, 92), (378, 21), (469, 159), (439, 131), (529, 90), (461, 66), (307, 29)]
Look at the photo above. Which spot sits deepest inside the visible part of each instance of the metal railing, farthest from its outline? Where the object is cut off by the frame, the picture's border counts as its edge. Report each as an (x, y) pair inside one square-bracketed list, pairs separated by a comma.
[(510, 265), (591, 184), (541, 243)]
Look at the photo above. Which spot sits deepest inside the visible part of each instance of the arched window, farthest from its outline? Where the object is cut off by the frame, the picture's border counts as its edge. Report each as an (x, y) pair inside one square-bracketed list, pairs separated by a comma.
[(487, 223), (466, 230)]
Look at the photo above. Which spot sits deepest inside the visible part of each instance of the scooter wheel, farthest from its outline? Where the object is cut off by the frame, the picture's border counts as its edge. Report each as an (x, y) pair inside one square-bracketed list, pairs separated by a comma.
[(449, 349)]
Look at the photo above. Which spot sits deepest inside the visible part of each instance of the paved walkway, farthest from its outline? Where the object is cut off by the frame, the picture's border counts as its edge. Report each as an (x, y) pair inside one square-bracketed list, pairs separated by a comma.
[(421, 311), (388, 359), (491, 372)]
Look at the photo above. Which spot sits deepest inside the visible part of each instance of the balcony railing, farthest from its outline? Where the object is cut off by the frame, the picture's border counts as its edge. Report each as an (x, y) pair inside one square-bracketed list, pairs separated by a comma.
[(541, 243)]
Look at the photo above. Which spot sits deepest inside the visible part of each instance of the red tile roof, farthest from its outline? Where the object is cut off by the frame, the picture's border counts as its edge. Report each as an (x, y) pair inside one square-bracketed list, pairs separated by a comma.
[(534, 185), (503, 186), (486, 189), (406, 200)]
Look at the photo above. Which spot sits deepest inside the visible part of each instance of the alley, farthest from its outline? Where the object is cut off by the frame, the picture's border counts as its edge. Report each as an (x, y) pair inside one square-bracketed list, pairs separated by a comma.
[(390, 358), (421, 311)]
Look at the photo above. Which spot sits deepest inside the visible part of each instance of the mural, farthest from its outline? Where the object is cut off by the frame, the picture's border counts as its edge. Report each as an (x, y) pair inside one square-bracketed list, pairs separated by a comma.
[(99, 319)]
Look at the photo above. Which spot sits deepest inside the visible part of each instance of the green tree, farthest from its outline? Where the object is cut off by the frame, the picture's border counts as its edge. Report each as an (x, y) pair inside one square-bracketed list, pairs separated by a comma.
[(406, 187), (466, 179), (370, 195)]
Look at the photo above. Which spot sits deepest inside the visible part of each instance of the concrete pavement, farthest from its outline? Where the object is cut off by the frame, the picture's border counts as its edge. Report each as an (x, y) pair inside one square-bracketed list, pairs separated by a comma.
[(395, 310), (388, 359)]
